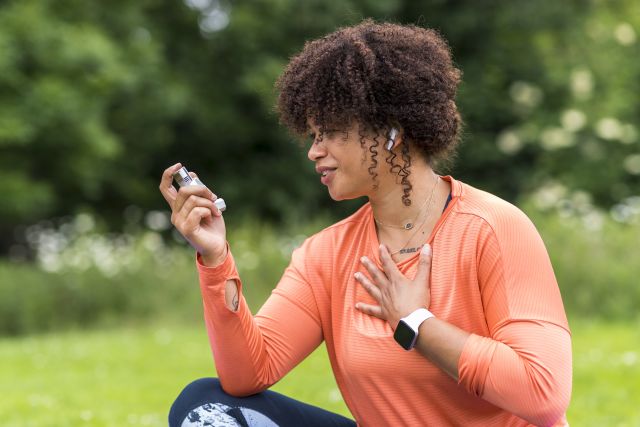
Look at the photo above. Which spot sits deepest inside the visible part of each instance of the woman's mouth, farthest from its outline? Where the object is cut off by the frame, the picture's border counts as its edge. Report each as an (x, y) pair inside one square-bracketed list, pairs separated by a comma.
[(326, 175)]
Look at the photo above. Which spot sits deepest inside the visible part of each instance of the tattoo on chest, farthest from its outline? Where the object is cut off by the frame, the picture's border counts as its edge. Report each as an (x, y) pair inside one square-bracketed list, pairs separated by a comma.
[(409, 250)]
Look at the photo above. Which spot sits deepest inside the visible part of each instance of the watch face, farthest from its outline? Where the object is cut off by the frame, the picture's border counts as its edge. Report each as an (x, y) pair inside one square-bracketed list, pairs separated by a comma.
[(404, 335)]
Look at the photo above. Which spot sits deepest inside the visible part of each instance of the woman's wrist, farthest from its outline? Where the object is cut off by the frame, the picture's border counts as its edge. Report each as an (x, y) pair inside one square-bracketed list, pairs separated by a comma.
[(214, 260)]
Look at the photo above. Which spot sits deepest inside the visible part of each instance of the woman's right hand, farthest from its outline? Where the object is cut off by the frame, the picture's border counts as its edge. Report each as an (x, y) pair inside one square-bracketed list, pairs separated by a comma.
[(196, 217)]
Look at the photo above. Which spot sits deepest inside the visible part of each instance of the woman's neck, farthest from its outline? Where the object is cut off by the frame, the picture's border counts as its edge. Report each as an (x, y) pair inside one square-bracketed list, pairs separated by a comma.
[(428, 195), (387, 202)]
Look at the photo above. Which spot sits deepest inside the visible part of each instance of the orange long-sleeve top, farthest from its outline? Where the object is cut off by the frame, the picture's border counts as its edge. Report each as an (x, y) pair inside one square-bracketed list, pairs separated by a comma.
[(490, 276)]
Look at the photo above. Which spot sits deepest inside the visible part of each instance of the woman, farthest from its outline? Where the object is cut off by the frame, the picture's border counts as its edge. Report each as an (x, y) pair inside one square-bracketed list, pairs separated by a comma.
[(437, 301)]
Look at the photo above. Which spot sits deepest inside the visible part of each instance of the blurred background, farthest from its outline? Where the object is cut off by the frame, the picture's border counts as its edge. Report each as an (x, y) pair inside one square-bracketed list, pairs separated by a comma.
[(100, 316)]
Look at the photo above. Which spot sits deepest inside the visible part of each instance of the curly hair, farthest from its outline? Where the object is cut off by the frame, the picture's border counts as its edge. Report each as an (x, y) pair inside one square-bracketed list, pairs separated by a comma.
[(380, 75)]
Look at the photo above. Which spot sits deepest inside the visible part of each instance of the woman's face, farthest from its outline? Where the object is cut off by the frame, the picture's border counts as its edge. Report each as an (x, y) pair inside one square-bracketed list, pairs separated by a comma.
[(343, 163)]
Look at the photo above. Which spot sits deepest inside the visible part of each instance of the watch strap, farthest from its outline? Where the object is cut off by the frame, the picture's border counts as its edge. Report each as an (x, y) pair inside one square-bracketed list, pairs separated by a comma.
[(415, 319)]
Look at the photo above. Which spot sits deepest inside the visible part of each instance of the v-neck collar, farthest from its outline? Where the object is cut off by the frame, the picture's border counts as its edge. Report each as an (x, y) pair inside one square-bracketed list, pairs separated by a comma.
[(456, 192)]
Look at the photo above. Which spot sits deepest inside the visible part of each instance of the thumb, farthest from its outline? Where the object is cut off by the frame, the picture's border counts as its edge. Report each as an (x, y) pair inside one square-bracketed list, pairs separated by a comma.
[(424, 264)]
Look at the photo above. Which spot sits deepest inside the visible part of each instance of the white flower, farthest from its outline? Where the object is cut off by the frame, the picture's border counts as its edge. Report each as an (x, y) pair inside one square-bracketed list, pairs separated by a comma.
[(624, 34)]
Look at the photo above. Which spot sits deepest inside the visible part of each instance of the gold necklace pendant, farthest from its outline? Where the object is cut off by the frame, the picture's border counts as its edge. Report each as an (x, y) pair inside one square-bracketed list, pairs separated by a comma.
[(404, 249), (411, 223)]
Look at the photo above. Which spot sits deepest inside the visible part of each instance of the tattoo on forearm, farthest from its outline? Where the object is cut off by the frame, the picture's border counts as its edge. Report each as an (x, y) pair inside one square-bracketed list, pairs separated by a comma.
[(235, 301)]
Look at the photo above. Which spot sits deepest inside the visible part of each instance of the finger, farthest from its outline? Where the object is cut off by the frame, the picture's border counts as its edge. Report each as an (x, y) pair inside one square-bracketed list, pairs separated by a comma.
[(184, 193), (377, 276), (210, 197), (195, 217), (371, 310), (216, 211), (189, 204), (369, 286), (195, 176), (166, 183), (424, 264), (188, 224), (198, 201), (389, 266)]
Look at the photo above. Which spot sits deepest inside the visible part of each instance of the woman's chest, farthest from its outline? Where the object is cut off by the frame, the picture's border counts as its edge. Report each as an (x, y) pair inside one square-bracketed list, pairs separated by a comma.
[(454, 292)]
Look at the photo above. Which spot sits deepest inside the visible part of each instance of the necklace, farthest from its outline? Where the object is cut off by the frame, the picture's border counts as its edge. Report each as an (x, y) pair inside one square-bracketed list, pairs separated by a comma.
[(409, 224), (404, 248)]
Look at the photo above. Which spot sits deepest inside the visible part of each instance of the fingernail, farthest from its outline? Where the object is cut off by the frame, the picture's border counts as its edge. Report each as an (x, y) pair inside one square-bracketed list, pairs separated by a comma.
[(358, 306), (426, 249), (364, 259)]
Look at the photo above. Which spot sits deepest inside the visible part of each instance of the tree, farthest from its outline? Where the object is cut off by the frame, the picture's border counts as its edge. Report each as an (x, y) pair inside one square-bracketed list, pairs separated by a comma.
[(96, 99)]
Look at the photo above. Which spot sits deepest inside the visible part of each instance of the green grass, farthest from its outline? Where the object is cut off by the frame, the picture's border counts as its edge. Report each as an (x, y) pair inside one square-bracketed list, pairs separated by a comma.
[(122, 377), (129, 376), (606, 374)]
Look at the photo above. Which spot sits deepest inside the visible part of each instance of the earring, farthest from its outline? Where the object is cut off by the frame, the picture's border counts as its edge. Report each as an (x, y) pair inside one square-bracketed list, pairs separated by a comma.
[(392, 138)]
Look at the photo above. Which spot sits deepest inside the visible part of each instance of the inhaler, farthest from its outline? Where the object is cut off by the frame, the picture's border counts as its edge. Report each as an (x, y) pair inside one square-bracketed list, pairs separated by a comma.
[(183, 179)]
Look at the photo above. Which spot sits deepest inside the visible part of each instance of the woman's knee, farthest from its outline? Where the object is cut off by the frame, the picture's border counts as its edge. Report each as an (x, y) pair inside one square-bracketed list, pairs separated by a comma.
[(194, 394), (202, 386)]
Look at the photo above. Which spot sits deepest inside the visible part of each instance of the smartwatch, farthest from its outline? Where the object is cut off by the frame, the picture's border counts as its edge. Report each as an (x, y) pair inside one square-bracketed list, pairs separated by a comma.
[(406, 333)]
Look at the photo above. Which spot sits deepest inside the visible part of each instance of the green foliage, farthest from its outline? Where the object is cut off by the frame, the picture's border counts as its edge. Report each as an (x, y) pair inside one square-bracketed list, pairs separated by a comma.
[(84, 277), (545, 95), (96, 99), (595, 261), (75, 98), (130, 376)]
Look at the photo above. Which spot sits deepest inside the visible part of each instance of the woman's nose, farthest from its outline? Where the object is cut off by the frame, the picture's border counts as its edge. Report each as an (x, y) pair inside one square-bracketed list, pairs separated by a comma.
[(316, 151)]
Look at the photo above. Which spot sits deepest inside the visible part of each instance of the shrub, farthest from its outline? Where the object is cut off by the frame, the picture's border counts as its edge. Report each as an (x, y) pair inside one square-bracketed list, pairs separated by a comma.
[(82, 277), (596, 261)]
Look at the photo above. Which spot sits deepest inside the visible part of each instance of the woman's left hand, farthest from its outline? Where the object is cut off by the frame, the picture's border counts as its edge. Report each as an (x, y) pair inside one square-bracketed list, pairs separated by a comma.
[(396, 295)]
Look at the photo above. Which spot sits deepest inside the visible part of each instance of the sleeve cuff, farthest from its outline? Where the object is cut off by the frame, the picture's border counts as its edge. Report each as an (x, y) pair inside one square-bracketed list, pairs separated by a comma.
[(473, 366), (218, 275)]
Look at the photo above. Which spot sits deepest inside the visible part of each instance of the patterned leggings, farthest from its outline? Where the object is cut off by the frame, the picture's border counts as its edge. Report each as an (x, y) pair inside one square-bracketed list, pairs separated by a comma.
[(204, 403)]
